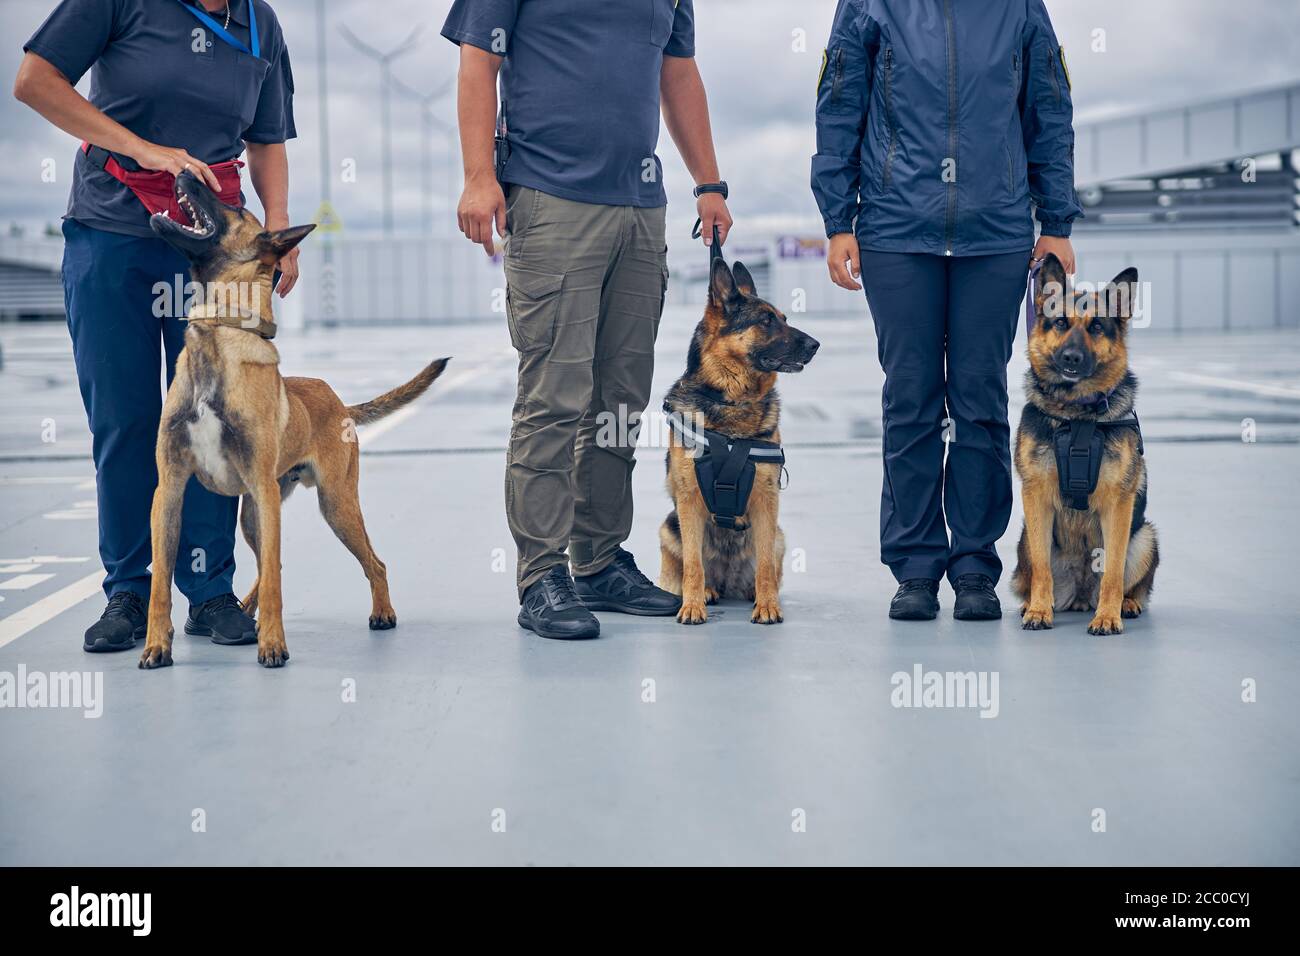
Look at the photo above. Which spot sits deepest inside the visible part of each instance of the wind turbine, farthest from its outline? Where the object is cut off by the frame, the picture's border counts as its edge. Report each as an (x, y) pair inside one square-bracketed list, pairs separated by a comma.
[(385, 60)]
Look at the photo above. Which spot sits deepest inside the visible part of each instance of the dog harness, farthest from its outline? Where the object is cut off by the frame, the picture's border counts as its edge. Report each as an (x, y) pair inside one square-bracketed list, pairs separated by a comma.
[(724, 467), (1078, 445), (240, 319)]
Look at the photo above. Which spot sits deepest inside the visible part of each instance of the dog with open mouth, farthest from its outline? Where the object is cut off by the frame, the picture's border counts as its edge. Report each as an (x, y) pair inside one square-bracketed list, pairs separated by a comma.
[(1079, 457), (724, 455), (232, 421)]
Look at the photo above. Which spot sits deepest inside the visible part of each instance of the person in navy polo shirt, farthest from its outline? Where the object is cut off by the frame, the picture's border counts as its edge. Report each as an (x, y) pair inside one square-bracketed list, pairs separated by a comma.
[(174, 84), (575, 187)]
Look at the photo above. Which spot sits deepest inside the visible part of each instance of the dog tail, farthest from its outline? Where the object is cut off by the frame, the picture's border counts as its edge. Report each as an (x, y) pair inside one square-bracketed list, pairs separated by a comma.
[(390, 402)]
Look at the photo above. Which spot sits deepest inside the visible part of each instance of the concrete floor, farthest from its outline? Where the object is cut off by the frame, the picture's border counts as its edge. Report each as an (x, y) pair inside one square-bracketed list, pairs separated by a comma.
[(463, 722)]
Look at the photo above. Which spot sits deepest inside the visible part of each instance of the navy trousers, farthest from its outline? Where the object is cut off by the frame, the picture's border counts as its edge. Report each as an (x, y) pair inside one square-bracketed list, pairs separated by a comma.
[(111, 289), (945, 327)]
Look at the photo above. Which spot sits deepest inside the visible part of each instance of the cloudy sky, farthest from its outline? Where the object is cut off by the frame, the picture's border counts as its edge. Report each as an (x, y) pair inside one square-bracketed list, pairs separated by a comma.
[(759, 74)]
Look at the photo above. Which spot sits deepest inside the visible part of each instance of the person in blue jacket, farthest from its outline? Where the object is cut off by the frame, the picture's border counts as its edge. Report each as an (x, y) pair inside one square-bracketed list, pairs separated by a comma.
[(940, 125)]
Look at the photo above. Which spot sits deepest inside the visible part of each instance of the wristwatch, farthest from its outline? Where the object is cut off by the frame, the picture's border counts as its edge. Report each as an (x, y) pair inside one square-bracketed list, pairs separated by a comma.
[(703, 188)]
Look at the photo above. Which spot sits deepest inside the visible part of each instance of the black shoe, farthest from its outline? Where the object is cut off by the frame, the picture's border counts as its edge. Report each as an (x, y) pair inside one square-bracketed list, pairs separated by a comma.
[(622, 587), (976, 598), (222, 619), (917, 599), (123, 623), (551, 608)]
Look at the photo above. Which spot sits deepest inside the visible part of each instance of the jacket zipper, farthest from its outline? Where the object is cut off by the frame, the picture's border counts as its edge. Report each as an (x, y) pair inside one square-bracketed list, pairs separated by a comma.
[(886, 174), (951, 216), (1056, 79)]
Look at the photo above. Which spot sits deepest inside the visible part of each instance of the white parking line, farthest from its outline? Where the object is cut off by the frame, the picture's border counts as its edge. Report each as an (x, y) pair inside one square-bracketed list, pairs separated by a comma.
[(23, 581), (1258, 388), (48, 607), (369, 433)]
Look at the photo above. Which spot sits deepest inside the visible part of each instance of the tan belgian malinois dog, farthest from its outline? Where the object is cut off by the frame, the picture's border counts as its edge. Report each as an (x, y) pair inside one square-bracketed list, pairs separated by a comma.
[(232, 421)]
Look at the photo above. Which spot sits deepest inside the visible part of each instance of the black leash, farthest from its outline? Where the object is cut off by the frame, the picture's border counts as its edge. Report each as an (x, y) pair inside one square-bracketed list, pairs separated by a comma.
[(715, 249)]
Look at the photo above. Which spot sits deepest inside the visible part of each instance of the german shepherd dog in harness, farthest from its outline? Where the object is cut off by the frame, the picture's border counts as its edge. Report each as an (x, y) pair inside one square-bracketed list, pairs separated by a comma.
[(232, 421), (1079, 457), (724, 454)]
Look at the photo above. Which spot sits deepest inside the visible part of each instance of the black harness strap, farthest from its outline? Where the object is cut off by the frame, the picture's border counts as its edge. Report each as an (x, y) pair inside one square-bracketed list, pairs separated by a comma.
[(724, 468), (1079, 448)]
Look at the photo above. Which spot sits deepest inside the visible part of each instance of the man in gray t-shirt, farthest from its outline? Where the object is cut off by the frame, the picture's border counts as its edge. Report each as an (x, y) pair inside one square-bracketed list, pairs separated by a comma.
[(566, 171)]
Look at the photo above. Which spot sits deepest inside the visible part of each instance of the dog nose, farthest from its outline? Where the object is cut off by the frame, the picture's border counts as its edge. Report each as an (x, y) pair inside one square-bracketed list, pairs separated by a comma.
[(1071, 357)]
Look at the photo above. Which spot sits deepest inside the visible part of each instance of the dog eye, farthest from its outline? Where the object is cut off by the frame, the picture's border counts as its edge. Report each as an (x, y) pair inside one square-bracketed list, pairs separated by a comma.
[(1062, 323), (1095, 328)]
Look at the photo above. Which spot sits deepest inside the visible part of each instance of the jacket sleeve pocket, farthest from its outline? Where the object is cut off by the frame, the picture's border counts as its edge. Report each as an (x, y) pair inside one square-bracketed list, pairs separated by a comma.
[(532, 302)]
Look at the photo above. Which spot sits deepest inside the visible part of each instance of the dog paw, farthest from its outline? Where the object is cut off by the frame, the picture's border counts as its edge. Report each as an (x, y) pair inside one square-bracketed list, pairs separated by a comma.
[(711, 596), (1106, 623), (155, 656), (1130, 608), (383, 621), (271, 653), (692, 612), (1032, 619), (766, 612)]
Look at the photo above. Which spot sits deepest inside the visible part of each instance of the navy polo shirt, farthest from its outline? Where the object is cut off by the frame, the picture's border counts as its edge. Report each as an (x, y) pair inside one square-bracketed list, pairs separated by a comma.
[(580, 90), (169, 79)]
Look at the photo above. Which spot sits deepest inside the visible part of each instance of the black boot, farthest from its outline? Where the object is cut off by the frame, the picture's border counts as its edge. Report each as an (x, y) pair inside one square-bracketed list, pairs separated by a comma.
[(223, 619), (976, 598), (551, 608), (622, 587), (917, 599), (123, 623)]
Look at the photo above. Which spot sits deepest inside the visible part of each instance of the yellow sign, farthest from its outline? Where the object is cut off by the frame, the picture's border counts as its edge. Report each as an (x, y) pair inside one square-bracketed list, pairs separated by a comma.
[(1065, 69), (326, 219)]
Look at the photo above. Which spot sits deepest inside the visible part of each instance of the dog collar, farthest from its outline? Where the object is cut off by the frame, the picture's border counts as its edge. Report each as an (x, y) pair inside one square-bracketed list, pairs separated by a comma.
[(240, 319), (1099, 403)]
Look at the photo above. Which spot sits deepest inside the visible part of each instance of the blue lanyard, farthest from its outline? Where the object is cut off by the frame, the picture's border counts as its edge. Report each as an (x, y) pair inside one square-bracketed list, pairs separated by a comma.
[(225, 34)]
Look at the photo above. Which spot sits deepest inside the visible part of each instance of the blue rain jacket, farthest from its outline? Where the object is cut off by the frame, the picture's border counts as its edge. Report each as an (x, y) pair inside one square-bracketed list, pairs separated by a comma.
[(939, 122)]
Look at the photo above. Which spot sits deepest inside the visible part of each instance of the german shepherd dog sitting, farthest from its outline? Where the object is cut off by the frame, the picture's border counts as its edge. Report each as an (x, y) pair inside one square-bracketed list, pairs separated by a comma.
[(1079, 383), (729, 388), (231, 420)]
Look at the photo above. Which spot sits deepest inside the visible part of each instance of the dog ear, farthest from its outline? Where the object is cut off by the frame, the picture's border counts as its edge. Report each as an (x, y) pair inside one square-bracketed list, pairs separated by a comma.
[(722, 285), (276, 244), (744, 281), (1118, 297), (1050, 288)]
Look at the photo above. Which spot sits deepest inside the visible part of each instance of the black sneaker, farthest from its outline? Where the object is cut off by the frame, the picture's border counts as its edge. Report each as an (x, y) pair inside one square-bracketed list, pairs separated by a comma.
[(917, 599), (976, 598), (622, 587), (222, 619), (123, 623), (551, 608)]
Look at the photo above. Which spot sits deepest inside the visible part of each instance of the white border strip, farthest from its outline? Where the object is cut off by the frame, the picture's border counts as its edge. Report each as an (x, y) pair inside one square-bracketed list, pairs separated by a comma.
[(47, 608)]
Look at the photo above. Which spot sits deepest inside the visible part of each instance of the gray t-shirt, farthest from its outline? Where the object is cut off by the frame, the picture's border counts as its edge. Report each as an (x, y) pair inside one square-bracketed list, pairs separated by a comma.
[(580, 90), (167, 77)]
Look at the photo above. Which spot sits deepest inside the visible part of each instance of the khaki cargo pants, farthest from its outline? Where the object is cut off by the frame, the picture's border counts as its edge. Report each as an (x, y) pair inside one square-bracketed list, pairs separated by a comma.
[(585, 289)]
